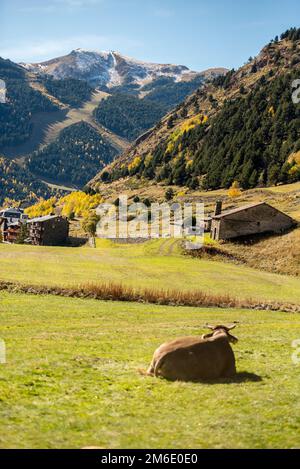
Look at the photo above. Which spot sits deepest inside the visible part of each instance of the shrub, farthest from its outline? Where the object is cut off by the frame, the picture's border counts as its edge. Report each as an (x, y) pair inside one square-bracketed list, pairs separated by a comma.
[(234, 190), (89, 223), (169, 194)]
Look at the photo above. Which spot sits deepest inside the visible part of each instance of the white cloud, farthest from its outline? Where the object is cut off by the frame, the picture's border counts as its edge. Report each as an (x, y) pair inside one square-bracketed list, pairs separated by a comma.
[(36, 51), (52, 5)]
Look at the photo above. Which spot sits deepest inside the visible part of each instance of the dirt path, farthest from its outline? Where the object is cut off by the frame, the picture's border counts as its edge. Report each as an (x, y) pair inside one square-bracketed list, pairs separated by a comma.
[(62, 186), (46, 126), (173, 247), (85, 113), (168, 246), (40, 124)]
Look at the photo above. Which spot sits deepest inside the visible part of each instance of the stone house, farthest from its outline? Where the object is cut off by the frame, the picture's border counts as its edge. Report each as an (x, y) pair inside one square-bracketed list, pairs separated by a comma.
[(248, 220)]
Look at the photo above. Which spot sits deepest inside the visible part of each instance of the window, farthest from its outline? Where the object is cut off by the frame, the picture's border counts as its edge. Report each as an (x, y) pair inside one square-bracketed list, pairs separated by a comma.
[(12, 214)]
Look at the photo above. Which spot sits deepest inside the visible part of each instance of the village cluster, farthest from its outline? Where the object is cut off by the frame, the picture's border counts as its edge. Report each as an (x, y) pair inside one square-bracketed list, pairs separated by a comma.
[(52, 230)]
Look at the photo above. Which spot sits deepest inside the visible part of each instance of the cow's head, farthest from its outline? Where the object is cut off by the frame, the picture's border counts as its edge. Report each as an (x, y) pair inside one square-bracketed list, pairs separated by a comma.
[(221, 329)]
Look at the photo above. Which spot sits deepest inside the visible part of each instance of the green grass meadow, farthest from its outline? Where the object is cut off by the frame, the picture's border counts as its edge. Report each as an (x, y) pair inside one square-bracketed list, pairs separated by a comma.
[(71, 378), (156, 264)]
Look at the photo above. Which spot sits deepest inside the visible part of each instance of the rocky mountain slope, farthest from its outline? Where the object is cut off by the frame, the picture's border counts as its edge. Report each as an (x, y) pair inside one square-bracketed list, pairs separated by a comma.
[(112, 69), (45, 100), (243, 126), (139, 94), (32, 119)]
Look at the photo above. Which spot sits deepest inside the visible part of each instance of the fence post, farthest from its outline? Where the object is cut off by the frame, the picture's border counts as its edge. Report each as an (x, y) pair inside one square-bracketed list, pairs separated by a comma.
[(92, 241), (2, 351)]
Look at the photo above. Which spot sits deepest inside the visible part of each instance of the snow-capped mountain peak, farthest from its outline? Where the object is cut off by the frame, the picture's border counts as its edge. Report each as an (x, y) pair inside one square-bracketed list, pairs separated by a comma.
[(108, 69)]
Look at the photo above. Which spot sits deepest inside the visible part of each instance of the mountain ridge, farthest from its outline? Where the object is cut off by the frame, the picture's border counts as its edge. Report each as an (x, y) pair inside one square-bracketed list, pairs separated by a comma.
[(184, 148), (110, 69), (39, 108)]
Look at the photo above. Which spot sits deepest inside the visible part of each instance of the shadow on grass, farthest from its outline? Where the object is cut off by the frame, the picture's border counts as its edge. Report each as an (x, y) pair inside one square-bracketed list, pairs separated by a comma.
[(241, 377), (76, 242), (258, 237)]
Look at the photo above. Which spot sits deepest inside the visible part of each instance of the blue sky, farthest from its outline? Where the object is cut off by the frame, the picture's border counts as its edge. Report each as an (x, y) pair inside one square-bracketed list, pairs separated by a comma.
[(196, 33)]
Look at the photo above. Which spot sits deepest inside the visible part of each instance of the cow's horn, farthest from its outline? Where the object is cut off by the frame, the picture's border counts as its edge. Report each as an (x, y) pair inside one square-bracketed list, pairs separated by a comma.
[(232, 326), (210, 327)]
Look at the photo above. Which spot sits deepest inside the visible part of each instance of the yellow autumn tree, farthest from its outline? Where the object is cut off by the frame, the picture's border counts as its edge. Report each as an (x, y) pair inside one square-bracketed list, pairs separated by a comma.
[(134, 164), (42, 208), (89, 223), (271, 111), (79, 203), (9, 203), (76, 203), (234, 190), (185, 127)]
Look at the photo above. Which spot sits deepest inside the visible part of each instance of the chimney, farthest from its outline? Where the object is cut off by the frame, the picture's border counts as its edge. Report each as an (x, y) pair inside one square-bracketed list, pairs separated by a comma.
[(218, 209)]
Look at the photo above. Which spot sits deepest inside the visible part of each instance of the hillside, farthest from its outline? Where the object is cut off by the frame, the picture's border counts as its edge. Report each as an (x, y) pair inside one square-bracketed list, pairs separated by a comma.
[(131, 112), (73, 157), (266, 253), (138, 93), (18, 183), (243, 126), (41, 105), (22, 102), (127, 115), (37, 104), (68, 90)]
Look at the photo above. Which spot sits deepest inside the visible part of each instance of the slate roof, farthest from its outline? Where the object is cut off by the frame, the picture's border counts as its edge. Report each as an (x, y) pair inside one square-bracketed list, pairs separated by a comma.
[(42, 219), (226, 213)]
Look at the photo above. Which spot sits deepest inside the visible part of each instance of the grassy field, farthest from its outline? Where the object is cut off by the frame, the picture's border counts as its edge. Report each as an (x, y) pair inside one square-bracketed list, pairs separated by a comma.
[(264, 253), (155, 264), (71, 378), (285, 197)]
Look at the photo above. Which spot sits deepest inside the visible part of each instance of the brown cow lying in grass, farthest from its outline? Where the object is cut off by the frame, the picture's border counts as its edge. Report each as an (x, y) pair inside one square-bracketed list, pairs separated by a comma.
[(196, 358)]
